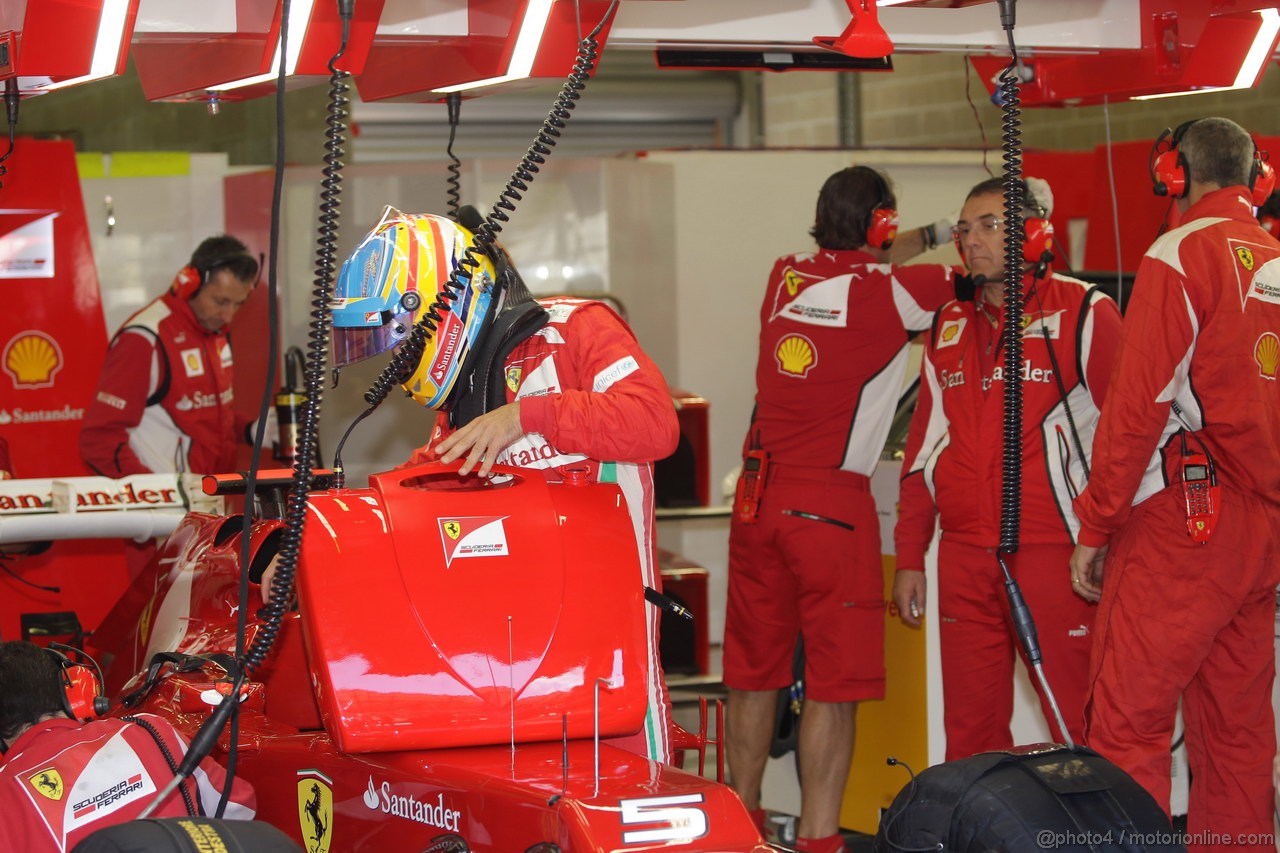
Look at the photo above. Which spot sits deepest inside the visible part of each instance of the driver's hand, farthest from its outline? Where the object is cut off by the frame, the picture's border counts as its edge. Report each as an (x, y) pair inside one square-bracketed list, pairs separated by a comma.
[(483, 439)]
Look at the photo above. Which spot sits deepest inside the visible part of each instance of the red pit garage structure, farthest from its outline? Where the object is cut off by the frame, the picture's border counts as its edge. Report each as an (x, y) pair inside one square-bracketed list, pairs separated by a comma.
[(431, 686)]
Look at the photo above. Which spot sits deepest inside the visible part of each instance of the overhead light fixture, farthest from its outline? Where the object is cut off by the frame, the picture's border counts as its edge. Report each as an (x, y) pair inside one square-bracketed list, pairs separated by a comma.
[(107, 48), (299, 17), (522, 56), (1250, 68)]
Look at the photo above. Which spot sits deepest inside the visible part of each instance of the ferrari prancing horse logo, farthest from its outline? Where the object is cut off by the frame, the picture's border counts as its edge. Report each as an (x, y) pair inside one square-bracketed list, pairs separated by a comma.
[(1245, 256), (315, 810), (47, 783), (452, 528)]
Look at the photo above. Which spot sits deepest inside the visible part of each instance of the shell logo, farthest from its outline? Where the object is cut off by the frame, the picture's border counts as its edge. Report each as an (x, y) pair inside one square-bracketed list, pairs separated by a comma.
[(1267, 353), (796, 355), (32, 359)]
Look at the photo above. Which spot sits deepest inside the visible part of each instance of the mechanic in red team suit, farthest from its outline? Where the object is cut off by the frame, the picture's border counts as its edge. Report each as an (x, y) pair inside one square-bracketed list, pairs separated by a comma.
[(952, 473), (62, 779), (164, 400), (804, 561), (560, 385), (1188, 596)]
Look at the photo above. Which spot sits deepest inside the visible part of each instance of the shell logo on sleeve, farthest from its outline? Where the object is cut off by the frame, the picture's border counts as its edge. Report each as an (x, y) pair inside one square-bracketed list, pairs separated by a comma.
[(192, 362), (1266, 352), (796, 356), (951, 332)]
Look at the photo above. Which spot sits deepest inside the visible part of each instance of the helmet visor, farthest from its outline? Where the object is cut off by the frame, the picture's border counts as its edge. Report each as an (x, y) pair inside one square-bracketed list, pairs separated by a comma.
[(356, 343)]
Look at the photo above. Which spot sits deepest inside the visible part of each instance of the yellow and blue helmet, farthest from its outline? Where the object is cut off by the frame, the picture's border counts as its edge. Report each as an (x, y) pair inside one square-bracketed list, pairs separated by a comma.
[(391, 280)]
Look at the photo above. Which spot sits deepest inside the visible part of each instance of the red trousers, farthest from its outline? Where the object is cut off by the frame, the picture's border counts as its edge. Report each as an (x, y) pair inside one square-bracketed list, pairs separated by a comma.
[(978, 642), (1196, 622)]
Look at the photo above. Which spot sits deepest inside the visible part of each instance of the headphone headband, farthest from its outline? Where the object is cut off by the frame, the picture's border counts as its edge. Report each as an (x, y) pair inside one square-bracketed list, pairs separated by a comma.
[(192, 277), (81, 684), (1171, 174)]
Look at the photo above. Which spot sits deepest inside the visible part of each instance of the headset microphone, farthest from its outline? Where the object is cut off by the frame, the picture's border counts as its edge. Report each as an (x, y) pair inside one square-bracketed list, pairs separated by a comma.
[(967, 286)]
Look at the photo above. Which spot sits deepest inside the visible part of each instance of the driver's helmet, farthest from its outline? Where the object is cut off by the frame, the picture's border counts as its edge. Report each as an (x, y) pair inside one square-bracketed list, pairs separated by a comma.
[(392, 278)]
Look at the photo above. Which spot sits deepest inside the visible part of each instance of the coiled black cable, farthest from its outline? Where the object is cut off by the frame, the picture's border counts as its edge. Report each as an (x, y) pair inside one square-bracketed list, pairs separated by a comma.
[(1014, 235), (406, 357), (317, 354), (454, 193), (168, 759)]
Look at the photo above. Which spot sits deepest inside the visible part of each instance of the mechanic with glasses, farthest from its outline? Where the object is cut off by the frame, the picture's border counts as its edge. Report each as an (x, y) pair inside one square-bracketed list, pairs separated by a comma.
[(952, 471)]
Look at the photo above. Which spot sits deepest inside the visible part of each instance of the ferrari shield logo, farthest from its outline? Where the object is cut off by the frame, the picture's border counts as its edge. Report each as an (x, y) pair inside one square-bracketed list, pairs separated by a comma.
[(793, 281), (315, 810), (1245, 256), (513, 378), (47, 783), (472, 536)]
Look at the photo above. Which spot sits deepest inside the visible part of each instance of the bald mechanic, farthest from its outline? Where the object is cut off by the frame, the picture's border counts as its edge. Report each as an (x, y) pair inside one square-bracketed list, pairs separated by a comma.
[(804, 546), (1180, 526)]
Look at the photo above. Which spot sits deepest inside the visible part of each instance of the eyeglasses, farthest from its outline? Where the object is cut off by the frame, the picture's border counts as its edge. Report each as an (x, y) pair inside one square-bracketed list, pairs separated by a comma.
[(985, 224)]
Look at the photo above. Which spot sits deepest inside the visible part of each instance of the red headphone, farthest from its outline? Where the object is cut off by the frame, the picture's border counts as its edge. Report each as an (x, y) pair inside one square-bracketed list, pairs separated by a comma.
[(1038, 241), (191, 278), (186, 283), (1170, 175), (1037, 231), (882, 223), (82, 697)]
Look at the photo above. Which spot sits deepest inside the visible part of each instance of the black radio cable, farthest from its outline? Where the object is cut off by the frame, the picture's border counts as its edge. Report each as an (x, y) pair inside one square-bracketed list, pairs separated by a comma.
[(406, 357), (453, 102), (167, 754), (317, 353), (1011, 466), (912, 787)]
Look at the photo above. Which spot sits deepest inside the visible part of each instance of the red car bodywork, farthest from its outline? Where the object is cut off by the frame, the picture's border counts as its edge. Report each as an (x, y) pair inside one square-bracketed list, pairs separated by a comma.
[(458, 650)]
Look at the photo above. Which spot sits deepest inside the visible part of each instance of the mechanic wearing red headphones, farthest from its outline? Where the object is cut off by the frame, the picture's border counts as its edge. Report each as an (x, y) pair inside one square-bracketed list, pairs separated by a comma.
[(66, 774), (1186, 496), (952, 471), (804, 547), (164, 400)]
